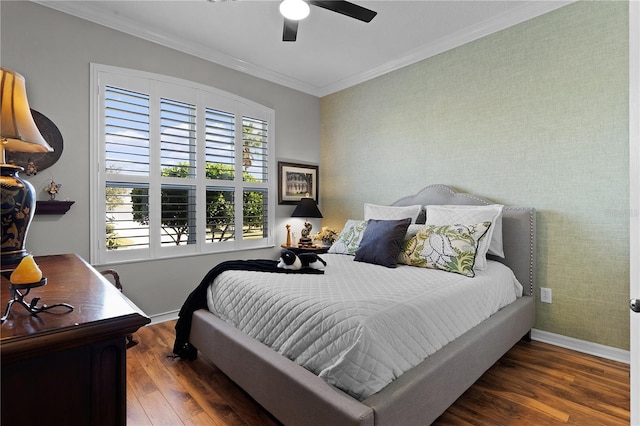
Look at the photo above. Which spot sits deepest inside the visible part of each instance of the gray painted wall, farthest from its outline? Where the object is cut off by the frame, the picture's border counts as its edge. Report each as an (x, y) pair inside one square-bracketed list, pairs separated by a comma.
[(53, 51), (535, 115)]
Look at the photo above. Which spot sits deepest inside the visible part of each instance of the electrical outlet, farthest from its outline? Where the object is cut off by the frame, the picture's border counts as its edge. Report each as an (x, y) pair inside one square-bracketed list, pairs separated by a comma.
[(545, 295)]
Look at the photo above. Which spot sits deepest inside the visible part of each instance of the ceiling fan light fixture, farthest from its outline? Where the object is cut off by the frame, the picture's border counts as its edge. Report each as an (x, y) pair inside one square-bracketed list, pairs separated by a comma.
[(294, 9)]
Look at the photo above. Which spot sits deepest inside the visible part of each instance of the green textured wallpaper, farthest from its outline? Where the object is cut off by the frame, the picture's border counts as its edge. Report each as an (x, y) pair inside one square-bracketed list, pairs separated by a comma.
[(535, 115)]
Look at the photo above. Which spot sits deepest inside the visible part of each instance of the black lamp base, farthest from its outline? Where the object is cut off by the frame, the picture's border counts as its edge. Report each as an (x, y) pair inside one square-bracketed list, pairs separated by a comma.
[(13, 258), (18, 207), (305, 242)]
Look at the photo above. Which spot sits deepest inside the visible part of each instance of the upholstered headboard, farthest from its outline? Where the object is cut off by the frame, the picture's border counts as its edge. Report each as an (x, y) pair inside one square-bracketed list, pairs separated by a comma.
[(518, 229)]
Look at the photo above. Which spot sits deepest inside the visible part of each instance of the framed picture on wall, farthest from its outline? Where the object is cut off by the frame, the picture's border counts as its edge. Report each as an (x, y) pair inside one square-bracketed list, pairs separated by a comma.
[(296, 181)]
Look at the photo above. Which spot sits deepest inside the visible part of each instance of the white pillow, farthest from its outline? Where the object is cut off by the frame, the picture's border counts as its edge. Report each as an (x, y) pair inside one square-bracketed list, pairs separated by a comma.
[(491, 242), (374, 211)]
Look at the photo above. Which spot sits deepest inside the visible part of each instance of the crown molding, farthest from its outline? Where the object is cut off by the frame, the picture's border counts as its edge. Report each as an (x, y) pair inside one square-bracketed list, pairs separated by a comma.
[(529, 10), (87, 11)]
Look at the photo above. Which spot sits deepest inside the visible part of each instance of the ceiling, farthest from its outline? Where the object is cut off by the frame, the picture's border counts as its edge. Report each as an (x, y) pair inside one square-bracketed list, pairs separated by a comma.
[(332, 52)]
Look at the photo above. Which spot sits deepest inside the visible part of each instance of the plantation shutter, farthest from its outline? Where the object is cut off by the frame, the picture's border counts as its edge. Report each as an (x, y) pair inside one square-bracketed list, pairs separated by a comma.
[(127, 216), (220, 219), (177, 139), (126, 132), (220, 144), (180, 168), (254, 149)]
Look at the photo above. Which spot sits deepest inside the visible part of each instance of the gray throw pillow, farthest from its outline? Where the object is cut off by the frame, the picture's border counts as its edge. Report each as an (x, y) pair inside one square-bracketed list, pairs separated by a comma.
[(382, 242)]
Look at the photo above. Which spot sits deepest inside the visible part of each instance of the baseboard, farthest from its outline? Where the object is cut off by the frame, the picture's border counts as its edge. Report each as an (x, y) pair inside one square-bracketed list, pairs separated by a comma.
[(583, 346), (167, 316)]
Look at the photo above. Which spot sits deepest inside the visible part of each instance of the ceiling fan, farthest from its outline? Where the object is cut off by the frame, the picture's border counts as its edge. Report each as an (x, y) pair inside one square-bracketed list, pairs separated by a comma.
[(296, 10)]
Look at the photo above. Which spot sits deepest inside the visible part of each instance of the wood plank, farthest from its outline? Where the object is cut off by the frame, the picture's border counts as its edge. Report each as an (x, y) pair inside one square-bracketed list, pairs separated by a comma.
[(137, 378), (135, 413), (159, 411), (560, 400), (533, 384), (239, 401), (183, 403)]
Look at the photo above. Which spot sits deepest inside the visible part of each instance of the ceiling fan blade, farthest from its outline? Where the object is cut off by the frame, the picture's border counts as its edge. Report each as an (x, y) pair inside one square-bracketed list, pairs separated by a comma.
[(290, 31), (347, 8)]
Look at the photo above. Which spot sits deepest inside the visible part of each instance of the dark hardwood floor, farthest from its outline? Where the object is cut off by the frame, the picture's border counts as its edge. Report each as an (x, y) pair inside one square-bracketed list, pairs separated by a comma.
[(533, 384)]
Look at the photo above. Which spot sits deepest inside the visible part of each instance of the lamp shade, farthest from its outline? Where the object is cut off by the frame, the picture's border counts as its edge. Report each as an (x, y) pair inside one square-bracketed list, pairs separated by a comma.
[(18, 131), (306, 208)]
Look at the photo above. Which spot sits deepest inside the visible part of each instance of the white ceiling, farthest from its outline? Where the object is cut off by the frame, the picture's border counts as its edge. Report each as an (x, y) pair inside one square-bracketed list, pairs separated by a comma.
[(332, 52)]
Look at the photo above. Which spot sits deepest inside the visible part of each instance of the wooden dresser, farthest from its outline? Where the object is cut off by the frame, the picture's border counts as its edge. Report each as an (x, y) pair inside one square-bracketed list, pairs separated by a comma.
[(61, 367)]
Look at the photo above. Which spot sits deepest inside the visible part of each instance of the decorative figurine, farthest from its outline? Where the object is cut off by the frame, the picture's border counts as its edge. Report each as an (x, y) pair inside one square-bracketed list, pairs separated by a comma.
[(288, 235), (305, 241), (52, 189)]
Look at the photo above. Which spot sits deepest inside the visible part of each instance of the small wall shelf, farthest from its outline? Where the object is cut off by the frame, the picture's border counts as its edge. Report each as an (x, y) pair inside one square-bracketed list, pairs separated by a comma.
[(53, 207)]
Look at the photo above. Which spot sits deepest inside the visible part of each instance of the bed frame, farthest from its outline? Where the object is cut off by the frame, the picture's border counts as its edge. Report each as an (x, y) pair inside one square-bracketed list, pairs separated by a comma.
[(296, 396)]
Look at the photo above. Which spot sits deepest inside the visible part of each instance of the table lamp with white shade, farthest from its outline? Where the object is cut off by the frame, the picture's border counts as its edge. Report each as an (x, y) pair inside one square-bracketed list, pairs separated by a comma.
[(18, 132)]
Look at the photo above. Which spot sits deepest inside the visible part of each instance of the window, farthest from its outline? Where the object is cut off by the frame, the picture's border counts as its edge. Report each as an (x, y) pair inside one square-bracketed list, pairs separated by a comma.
[(179, 168)]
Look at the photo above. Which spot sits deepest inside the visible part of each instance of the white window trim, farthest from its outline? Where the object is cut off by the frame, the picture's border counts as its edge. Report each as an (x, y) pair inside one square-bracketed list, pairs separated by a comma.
[(242, 107)]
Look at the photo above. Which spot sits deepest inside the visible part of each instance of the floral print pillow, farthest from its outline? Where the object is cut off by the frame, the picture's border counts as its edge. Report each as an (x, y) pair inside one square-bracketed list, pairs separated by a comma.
[(450, 248), (349, 239)]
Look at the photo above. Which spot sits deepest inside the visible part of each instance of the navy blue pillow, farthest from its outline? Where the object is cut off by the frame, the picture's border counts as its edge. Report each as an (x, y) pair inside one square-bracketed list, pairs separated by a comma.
[(382, 241)]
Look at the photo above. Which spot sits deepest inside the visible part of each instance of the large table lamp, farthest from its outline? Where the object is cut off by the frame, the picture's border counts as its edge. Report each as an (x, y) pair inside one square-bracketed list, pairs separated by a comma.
[(18, 132), (306, 208)]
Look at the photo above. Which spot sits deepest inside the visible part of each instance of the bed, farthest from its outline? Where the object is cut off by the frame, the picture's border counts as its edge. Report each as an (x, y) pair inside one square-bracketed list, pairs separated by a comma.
[(421, 392)]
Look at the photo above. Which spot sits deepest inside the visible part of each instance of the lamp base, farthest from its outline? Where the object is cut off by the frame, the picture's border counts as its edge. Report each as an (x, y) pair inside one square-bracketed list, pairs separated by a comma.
[(13, 258), (18, 206), (305, 242)]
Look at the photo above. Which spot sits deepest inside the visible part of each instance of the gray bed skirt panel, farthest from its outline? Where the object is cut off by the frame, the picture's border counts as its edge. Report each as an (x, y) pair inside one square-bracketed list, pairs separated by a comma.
[(296, 396)]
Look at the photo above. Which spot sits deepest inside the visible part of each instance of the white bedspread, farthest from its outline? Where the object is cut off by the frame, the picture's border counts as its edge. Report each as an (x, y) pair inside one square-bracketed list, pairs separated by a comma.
[(360, 326)]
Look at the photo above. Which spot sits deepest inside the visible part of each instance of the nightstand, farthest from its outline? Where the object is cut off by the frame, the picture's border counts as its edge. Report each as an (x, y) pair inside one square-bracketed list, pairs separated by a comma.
[(298, 250)]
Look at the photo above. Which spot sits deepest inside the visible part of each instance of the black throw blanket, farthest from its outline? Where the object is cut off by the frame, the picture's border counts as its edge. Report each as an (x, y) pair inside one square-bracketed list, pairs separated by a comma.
[(198, 298)]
